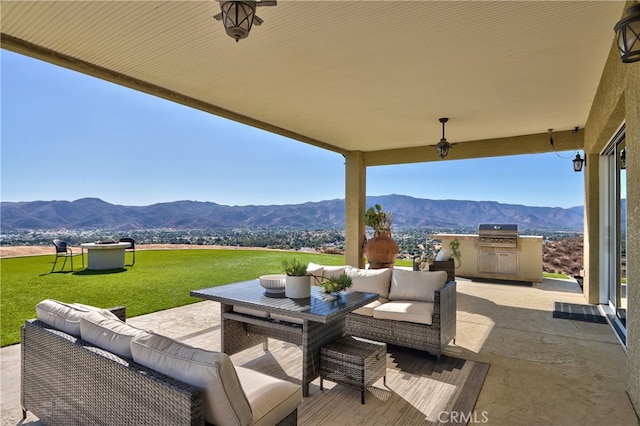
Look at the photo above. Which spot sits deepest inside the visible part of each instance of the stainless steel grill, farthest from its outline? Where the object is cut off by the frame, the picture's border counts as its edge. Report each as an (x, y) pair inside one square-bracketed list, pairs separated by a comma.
[(497, 235)]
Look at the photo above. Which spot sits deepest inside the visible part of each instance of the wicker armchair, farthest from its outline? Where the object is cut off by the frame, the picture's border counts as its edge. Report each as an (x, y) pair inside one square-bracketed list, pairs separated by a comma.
[(431, 338)]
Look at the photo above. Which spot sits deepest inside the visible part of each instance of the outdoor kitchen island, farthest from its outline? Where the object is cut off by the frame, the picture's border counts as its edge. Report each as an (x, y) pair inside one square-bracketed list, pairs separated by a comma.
[(497, 252)]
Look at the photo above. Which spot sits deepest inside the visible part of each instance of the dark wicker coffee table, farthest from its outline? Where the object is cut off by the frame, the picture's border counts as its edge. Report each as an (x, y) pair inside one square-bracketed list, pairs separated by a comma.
[(352, 362)]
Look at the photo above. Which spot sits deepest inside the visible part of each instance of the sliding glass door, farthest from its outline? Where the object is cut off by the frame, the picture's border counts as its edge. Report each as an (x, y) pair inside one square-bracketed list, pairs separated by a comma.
[(616, 234)]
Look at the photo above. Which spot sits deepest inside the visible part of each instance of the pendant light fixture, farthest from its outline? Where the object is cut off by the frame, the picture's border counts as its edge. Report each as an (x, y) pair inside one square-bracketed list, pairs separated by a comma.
[(239, 16), (628, 34), (443, 146)]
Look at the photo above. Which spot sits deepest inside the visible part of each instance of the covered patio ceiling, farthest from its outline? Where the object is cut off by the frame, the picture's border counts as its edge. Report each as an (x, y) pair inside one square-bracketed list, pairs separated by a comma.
[(345, 75)]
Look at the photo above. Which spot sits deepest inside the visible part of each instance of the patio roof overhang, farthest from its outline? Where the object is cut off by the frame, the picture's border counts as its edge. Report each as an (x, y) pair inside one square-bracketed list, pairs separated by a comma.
[(369, 76), (369, 80)]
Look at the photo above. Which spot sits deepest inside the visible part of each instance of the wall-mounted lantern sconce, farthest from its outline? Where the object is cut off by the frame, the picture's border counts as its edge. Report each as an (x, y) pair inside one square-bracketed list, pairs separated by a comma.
[(628, 34), (578, 162)]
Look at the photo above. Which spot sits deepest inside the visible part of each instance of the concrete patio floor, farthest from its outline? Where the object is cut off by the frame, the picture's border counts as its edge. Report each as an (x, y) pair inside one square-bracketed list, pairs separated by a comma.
[(544, 371)]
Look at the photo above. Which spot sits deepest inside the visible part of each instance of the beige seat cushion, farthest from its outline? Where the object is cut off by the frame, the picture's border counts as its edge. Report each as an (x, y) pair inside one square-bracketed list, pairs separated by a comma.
[(225, 402), (370, 280), (248, 311), (107, 333), (368, 309), (410, 311), (416, 285), (65, 317), (287, 318), (271, 399)]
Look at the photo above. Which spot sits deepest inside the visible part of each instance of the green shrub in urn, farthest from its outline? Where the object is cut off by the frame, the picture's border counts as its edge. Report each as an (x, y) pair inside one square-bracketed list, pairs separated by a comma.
[(378, 219), (381, 250)]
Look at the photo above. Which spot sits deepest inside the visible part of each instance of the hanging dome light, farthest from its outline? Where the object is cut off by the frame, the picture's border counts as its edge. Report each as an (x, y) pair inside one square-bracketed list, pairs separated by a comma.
[(443, 146), (237, 17), (628, 34)]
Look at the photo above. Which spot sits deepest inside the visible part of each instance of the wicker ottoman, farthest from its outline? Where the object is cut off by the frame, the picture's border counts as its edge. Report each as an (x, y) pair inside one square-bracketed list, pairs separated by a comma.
[(353, 362)]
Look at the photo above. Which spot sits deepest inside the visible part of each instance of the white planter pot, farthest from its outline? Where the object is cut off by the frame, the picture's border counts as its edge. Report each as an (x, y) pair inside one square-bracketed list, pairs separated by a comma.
[(297, 287)]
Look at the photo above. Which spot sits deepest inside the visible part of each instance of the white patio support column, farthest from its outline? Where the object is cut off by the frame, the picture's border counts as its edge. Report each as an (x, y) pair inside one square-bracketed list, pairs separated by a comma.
[(355, 200), (591, 236)]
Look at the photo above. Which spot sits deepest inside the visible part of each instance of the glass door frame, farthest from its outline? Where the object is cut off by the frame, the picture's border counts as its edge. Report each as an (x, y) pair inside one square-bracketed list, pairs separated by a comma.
[(612, 190)]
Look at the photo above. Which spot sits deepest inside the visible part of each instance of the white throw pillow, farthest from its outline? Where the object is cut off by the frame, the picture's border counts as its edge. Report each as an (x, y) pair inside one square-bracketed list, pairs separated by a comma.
[(225, 402), (65, 317), (317, 271), (332, 271), (110, 334), (370, 280), (324, 271), (416, 285), (410, 311)]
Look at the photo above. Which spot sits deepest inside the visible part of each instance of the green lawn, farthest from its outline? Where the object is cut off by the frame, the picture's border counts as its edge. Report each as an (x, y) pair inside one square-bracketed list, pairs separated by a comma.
[(553, 275), (160, 279)]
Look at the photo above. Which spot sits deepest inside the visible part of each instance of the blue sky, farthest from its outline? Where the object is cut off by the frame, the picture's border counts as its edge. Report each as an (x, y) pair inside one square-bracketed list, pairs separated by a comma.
[(67, 136)]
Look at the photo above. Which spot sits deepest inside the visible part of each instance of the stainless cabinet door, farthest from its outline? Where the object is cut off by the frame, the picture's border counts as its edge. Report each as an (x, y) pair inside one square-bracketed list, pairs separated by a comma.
[(508, 263)]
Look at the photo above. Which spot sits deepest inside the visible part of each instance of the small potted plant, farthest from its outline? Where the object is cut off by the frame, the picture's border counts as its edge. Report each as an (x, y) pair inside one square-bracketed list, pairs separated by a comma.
[(297, 282), (337, 284), (381, 250)]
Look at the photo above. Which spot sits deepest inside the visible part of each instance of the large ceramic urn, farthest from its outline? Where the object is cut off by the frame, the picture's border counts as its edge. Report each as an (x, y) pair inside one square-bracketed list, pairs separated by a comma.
[(381, 250)]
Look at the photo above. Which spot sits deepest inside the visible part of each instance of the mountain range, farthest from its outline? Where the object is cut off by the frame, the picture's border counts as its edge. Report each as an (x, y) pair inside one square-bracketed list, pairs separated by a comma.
[(93, 213)]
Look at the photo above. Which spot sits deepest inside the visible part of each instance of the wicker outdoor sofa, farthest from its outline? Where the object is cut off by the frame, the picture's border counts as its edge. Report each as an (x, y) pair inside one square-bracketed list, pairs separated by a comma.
[(68, 381), (415, 309)]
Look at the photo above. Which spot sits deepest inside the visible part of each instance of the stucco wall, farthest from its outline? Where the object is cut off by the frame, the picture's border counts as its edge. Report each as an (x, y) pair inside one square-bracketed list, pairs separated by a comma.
[(632, 113), (617, 101)]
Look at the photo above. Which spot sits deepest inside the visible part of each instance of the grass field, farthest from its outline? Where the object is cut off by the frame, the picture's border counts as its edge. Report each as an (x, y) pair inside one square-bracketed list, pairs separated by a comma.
[(160, 279)]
